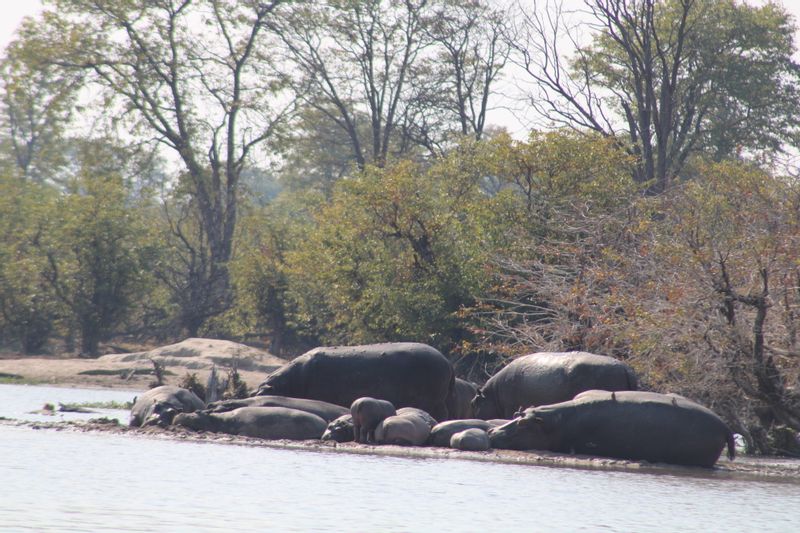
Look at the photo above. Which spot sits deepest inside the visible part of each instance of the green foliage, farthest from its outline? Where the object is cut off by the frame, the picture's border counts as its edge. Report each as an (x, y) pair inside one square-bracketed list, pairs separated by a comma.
[(710, 76), (395, 254), (28, 306), (97, 249), (259, 270)]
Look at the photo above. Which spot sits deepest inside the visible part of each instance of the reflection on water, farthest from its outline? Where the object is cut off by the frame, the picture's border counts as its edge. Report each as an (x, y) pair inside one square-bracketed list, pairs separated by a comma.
[(66, 481)]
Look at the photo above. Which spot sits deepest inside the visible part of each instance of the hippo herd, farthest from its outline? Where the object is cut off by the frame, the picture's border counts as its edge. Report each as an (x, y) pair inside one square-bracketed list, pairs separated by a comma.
[(407, 394)]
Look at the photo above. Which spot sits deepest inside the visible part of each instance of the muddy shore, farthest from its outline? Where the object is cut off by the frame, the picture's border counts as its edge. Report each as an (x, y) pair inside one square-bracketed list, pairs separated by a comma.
[(743, 468)]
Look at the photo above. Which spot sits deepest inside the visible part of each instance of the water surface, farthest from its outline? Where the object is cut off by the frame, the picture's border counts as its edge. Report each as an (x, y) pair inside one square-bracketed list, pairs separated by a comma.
[(70, 481)]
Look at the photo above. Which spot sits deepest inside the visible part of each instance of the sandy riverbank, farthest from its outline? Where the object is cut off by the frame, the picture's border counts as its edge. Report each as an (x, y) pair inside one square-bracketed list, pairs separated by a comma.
[(135, 370)]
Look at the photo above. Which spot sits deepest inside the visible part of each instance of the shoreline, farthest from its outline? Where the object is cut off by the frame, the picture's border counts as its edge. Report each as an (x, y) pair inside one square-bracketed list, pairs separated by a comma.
[(70, 373), (765, 469)]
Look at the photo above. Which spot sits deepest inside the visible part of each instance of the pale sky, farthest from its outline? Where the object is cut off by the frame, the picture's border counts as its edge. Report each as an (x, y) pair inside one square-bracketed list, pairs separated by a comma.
[(11, 14)]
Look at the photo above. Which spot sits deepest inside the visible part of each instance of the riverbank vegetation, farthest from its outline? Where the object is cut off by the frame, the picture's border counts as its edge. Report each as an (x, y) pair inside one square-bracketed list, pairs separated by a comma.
[(309, 173)]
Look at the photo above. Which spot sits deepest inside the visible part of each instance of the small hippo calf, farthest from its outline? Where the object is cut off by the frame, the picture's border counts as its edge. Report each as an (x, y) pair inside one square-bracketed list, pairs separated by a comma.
[(443, 432), (340, 430), (473, 440), (367, 413), (409, 428)]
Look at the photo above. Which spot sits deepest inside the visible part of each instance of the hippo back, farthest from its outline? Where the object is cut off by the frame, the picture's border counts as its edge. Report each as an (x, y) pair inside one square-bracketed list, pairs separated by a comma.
[(459, 401), (324, 410), (406, 374), (625, 424), (547, 378), (162, 399)]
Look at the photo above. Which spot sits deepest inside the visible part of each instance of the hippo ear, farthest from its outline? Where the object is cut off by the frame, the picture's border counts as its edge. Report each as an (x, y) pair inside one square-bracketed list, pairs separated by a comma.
[(527, 421)]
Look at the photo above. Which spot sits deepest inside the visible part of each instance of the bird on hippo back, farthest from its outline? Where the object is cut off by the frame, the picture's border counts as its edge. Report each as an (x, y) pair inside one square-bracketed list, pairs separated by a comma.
[(549, 377), (633, 425), (406, 374)]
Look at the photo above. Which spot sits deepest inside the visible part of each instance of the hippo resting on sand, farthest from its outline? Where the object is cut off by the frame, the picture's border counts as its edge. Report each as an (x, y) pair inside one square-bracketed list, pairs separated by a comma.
[(260, 422), (459, 401), (366, 414), (659, 428), (407, 374), (545, 378), (409, 427), (326, 411), (442, 432), (471, 440), (340, 430), (158, 406)]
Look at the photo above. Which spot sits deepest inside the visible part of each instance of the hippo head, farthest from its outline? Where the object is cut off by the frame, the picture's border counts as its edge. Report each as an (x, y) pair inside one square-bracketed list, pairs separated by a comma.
[(483, 407), (340, 430), (161, 414), (198, 421), (527, 431)]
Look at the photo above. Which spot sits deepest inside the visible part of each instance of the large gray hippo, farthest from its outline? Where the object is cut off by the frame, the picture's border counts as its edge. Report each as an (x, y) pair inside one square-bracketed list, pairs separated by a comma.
[(549, 377), (459, 401), (260, 422), (326, 411), (660, 428), (159, 405), (407, 374)]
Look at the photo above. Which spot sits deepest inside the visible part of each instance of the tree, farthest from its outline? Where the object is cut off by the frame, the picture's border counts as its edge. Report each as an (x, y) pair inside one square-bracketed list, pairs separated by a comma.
[(395, 78), (356, 57), (38, 100), (98, 254), (397, 253), (570, 209), (195, 78), (732, 241), (261, 274), (28, 307), (669, 78), (470, 37)]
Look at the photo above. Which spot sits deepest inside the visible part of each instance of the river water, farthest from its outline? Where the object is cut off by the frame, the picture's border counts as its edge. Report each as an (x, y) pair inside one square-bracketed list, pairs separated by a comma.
[(70, 481)]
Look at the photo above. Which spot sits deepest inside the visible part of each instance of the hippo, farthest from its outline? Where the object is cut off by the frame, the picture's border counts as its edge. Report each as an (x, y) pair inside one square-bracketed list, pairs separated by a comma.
[(409, 428), (159, 405), (260, 422), (459, 401), (326, 411), (442, 432), (340, 430), (418, 412), (367, 413), (472, 440), (640, 426), (407, 374), (546, 378)]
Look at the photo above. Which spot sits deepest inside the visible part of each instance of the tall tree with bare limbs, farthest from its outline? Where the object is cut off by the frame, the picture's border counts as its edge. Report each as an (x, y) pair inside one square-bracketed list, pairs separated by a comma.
[(195, 78), (668, 78), (352, 58)]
